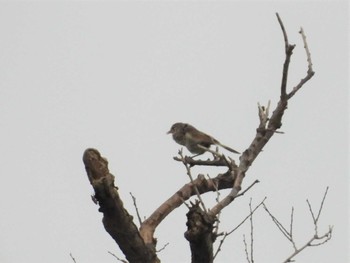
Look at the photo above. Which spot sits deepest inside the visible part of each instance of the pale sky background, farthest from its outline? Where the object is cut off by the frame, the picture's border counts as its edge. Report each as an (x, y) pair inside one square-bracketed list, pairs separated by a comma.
[(116, 75)]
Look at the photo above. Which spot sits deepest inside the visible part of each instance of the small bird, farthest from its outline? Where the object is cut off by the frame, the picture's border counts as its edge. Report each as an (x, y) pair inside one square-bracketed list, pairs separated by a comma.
[(187, 135)]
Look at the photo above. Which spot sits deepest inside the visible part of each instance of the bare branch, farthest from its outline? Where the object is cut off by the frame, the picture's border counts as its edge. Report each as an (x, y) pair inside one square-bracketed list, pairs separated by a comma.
[(278, 224), (248, 216), (315, 219), (308, 54), (217, 199), (311, 212), (291, 228), (289, 51), (323, 239), (248, 188), (228, 199), (192, 162), (315, 240), (261, 138), (251, 232), (246, 250), (274, 123), (222, 181), (234, 229), (136, 208), (188, 169), (321, 206), (286, 43), (119, 259), (310, 71), (163, 247), (184, 202), (70, 254), (224, 202)]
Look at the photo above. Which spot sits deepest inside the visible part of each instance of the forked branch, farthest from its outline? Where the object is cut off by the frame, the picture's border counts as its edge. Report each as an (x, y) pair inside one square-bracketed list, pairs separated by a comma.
[(315, 239), (268, 125)]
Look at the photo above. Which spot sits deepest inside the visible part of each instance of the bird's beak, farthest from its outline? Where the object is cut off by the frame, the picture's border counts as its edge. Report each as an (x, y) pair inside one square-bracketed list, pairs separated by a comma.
[(169, 132)]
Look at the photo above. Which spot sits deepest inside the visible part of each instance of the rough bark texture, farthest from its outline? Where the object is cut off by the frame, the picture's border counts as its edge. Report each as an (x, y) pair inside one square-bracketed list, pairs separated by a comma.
[(116, 220), (200, 235), (148, 227)]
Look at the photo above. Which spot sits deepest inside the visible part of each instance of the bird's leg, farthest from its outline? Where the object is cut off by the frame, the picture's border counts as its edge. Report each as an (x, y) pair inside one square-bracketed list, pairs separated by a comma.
[(215, 153)]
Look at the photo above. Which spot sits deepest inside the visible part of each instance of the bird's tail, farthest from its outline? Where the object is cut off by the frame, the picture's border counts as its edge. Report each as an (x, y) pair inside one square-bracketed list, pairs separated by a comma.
[(226, 147)]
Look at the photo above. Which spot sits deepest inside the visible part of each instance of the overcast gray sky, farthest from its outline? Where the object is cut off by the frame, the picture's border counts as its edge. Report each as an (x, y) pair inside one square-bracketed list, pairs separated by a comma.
[(116, 75)]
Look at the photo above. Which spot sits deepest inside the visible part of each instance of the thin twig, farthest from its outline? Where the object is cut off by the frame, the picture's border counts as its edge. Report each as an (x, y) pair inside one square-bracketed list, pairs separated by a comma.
[(188, 169), (321, 206), (291, 228), (136, 208), (184, 202), (162, 248), (121, 260), (246, 249), (291, 221), (286, 43), (308, 54), (234, 229), (248, 188), (217, 199), (245, 219), (70, 254), (326, 237), (310, 71), (251, 232), (311, 212), (315, 240), (315, 219), (289, 51), (231, 196), (278, 224)]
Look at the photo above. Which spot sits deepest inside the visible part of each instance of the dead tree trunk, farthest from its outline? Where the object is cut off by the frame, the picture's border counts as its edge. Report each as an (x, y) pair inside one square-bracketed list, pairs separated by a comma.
[(200, 234), (116, 220)]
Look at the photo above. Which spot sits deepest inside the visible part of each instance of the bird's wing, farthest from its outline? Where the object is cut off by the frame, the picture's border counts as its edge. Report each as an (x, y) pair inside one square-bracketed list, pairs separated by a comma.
[(198, 137)]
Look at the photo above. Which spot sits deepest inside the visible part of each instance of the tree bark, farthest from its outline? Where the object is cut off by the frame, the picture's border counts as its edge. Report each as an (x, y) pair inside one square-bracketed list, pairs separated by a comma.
[(200, 235), (116, 220)]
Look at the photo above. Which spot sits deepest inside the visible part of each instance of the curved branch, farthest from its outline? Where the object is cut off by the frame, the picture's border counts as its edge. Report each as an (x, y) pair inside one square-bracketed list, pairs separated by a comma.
[(222, 181), (289, 51)]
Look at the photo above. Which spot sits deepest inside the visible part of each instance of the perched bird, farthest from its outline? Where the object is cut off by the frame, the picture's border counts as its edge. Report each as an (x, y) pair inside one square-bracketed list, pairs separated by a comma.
[(187, 135)]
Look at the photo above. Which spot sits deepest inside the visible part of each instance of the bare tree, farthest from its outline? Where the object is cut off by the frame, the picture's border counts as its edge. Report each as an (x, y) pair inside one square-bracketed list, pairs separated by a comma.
[(139, 244)]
